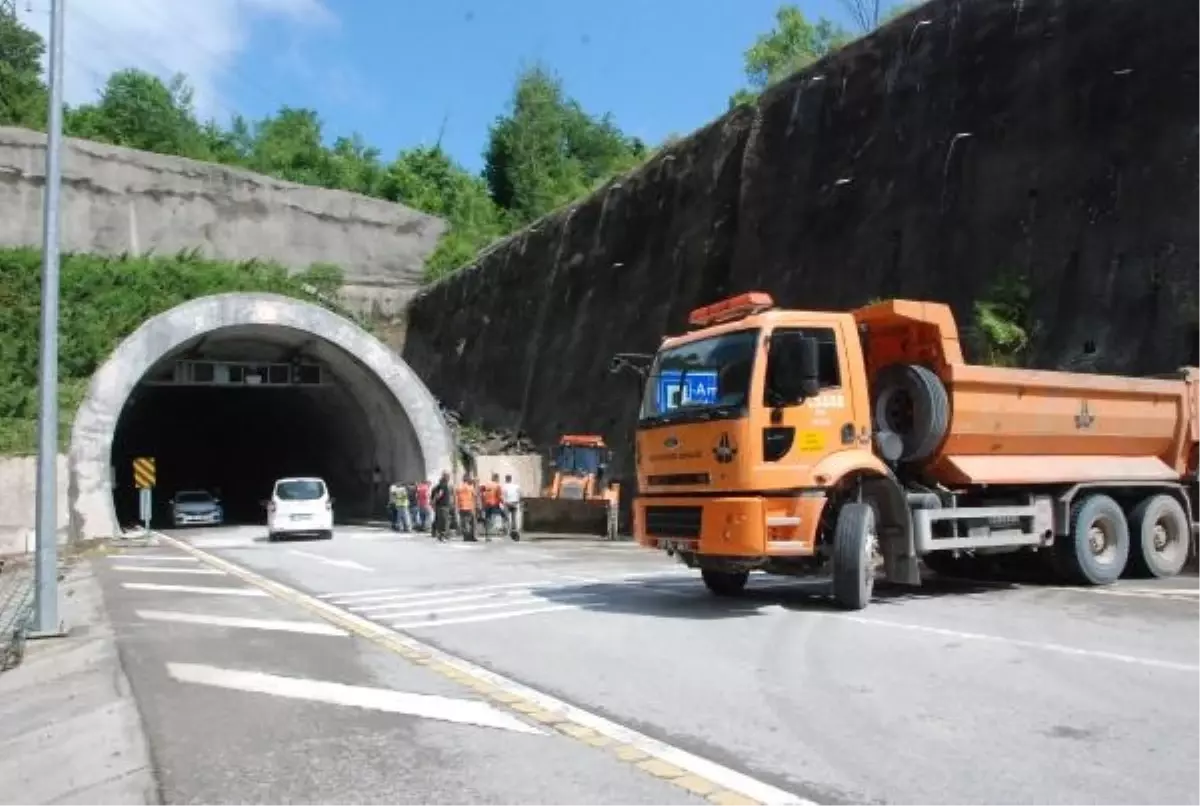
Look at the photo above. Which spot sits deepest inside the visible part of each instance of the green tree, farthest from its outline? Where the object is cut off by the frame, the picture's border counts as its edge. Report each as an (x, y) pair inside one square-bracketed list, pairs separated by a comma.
[(23, 97), (427, 179), (137, 109), (548, 151), (793, 44)]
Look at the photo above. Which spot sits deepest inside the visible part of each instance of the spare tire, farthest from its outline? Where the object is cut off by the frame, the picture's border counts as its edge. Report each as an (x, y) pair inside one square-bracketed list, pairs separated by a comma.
[(911, 402)]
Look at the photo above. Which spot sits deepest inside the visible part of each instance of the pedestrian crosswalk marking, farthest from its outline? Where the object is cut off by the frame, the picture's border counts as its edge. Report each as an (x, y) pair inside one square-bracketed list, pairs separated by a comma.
[(414, 625), (158, 558), (279, 625), (437, 598), (150, 569), (213, 589), (427, 706), (390, 594), (433, 613)]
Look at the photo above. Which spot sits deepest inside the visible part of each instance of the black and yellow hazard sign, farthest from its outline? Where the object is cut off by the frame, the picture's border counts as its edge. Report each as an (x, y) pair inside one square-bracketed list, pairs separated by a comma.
[(143, 472)]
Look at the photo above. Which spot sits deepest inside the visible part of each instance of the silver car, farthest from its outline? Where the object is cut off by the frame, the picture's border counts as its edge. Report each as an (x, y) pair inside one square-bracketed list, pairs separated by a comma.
[(196, 508)]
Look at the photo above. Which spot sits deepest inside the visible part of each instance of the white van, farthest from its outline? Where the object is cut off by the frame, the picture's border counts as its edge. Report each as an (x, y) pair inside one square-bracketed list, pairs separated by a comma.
[(300, 506)]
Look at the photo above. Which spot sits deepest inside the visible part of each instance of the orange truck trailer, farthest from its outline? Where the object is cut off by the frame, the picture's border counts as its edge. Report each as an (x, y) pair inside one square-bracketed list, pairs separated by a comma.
[(838, 445)]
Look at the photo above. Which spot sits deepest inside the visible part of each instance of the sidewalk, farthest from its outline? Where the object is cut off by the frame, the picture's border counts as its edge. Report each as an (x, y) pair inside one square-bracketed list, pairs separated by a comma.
[(69, 728)]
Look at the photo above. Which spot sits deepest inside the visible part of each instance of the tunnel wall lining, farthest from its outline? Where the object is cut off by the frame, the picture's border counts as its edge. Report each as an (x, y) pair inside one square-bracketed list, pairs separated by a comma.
[(90, 490)]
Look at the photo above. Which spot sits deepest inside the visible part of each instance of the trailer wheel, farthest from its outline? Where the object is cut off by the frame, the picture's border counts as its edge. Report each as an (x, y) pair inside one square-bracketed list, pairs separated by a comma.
[(724, 583), (1160, 537), (1096, 550), (854, 549), (911, 402)]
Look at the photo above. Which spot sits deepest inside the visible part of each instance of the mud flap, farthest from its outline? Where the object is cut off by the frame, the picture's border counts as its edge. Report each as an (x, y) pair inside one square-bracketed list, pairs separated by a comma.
[(895, 529)]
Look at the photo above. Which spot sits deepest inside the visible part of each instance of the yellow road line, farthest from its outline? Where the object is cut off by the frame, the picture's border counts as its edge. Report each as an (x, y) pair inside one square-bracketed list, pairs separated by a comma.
[(716, 783)]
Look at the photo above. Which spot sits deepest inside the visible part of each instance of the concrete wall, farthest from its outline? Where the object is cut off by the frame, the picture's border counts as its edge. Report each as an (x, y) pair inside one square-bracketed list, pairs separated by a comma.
[(526, 470), (18, 500), (119, 200), (966, 140)]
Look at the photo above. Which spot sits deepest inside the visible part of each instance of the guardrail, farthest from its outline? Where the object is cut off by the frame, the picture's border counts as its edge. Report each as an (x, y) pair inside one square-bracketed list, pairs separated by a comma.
[(16, 611)]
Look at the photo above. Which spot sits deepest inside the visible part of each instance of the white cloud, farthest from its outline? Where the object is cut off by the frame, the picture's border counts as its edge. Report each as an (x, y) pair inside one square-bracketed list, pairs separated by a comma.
[(200, 38)]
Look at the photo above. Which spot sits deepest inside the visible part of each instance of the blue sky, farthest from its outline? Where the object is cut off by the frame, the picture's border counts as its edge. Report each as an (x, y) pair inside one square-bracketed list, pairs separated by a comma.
[(394, 71)]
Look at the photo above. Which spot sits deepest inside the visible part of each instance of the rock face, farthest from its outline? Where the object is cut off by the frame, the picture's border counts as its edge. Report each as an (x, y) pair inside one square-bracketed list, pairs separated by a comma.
[(967, 142), (120, 200)]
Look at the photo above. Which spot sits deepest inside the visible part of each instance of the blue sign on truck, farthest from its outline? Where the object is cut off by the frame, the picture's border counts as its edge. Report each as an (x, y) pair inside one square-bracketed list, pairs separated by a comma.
[(679, 388)]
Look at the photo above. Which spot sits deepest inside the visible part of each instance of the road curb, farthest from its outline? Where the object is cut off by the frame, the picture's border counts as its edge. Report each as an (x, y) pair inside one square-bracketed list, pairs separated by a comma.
[(715, 783)]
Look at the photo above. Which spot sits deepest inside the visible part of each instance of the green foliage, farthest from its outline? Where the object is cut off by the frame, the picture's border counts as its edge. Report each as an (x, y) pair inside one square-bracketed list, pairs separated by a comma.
[(793, 44), (547, 152), (1003, 326), (23, 98), (103, 300)]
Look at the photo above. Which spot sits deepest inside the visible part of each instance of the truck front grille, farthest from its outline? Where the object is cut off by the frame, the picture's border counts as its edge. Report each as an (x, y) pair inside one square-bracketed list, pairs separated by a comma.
[(681, 522)]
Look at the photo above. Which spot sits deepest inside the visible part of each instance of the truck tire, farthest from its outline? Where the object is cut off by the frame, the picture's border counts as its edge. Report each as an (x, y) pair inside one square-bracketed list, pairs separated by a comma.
[(854, 556), (724, 583), (1160, 537), (1097, 548), (911, 401)]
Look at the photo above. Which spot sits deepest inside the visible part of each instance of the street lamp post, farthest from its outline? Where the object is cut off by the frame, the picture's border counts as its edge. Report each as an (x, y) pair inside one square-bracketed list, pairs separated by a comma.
[(46, 562)]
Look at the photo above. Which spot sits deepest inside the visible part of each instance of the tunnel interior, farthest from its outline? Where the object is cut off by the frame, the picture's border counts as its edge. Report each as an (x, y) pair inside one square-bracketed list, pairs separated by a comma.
[(237, 408)]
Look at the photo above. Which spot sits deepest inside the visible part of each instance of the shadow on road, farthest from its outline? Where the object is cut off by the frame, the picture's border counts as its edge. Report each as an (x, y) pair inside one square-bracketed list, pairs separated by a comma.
[(687, 598)]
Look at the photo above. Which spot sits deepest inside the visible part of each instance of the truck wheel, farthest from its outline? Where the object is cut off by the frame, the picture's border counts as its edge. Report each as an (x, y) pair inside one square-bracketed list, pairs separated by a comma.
[(724, 583), (1095, 551), (1160, 537), (854, 556), (911, 402)]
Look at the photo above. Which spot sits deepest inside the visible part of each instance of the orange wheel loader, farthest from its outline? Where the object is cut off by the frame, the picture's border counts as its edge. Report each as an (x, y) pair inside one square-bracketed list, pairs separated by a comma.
[(848, 445), (581, 498)]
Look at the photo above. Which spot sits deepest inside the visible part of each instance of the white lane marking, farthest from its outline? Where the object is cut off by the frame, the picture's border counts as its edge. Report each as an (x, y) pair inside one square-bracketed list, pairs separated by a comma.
[(427, 706), (329, 560), (216, 590), (223, 542), (149, 569), (1038, 645), (446, 622), (721, 775), (279, 625), (157, 558), (1178, 594)]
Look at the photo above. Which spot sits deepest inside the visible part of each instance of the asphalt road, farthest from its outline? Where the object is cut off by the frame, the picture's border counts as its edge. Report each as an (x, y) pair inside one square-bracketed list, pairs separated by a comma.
[(248, 699), (952, 693)]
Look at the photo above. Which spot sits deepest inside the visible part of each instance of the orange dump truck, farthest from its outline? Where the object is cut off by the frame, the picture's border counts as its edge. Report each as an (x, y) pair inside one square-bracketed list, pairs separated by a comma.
[(838, 445)]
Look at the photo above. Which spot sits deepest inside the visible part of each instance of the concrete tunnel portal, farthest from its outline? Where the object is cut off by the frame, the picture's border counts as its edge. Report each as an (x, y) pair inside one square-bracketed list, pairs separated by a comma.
[(232, 391)]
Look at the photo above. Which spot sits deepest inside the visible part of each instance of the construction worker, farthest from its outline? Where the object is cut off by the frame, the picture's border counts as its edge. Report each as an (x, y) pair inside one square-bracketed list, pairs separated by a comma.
[(510, 496), (414, 512), (424, 506), (440, 500), (399, 502), (489, 495), (466, 502)]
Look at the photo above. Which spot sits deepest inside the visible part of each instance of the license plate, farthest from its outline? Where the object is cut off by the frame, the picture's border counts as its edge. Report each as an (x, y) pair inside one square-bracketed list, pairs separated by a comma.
[(301, 517)]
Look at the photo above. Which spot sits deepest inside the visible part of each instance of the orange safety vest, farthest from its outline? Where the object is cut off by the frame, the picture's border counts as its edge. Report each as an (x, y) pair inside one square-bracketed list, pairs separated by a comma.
[(491, 494), (465, 496)]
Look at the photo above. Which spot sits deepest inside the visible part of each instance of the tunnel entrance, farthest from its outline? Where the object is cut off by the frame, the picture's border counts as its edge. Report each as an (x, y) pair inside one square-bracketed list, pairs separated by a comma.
[(230, 393)]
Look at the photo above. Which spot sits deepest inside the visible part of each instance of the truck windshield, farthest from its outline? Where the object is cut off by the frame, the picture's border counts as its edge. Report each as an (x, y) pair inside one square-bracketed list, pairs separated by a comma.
[(577, 459), (705, 378)]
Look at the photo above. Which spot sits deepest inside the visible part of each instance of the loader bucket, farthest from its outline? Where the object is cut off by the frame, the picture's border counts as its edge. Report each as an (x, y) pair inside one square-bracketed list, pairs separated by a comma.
[(569, 517)]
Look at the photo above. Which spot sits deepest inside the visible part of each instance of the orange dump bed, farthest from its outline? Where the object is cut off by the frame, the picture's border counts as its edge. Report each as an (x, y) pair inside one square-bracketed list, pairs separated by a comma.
[(1021, 426)]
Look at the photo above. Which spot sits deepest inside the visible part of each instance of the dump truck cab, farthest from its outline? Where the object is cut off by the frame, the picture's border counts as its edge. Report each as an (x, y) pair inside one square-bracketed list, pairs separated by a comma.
[(744, 425)]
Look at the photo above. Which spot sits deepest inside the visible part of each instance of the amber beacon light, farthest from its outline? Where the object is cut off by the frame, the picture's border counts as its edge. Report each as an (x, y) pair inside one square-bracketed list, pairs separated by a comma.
[(731, 308)]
